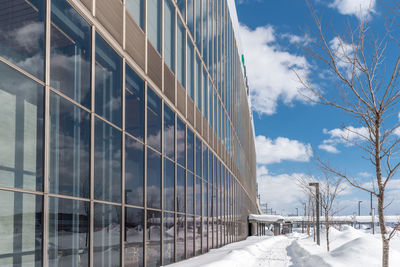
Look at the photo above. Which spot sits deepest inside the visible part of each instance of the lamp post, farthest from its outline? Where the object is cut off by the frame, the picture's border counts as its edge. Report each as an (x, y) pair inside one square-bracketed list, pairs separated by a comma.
[(359, 213), (317, 207)]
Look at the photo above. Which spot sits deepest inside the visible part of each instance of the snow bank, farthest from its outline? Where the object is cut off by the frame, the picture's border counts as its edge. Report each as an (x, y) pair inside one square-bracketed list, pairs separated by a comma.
[(351, 247), (239, 254)]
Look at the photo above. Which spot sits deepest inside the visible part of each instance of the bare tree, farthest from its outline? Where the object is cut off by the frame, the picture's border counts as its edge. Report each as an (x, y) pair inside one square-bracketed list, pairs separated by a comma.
[(366, 87), (330, 189)]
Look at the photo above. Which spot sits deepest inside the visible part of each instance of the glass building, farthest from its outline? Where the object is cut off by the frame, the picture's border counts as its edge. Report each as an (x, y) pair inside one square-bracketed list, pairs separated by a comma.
[(125, 132)]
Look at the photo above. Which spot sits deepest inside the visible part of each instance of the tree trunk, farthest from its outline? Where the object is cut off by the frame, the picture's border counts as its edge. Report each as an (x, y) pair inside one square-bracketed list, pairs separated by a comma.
[(382, 225), (327, 226)]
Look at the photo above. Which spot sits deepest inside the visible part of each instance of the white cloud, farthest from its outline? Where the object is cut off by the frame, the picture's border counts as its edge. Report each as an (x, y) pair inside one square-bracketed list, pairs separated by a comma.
[(297, 39), (280, 191), (358, 8), (347, 136), (344, 54), (270, 69), (274, 151), (329, 148)]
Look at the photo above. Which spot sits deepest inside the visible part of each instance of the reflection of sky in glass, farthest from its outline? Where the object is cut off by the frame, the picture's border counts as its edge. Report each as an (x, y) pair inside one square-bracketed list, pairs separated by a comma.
[(69, 148), (153, 179), (70, 53), (22, 34), (134, 175), (169, 185)]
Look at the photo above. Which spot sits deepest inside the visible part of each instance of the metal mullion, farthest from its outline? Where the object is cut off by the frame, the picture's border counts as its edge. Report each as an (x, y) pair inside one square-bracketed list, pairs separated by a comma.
[(15, 67), (46, 136), (20, 190), (107, 122), (145, 166), (162, 52), (55, 91), (68, 197), (162, 183), (107, 202), (93, 67), (175, 183), (123, 160)]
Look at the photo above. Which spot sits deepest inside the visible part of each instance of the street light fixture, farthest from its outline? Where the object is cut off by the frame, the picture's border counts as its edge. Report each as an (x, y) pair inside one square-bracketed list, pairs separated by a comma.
[(317, 206)]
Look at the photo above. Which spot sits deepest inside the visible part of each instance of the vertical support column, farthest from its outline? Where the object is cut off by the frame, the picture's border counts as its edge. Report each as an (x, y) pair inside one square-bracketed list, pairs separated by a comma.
[(46, 135), (92, 133), (123, 164)]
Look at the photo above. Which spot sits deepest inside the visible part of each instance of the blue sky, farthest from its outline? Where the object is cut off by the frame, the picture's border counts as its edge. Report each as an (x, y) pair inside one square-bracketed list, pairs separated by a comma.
[(290, 130)]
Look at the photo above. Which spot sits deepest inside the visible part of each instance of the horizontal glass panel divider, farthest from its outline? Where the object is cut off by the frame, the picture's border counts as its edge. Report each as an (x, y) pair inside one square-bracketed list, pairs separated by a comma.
[(133, 206), (153, 149), (153, 209), (5, 61), (165, 156), (106, 121), (20, 190), (106, 202), (134, 138), (68, 197), (59, 93)]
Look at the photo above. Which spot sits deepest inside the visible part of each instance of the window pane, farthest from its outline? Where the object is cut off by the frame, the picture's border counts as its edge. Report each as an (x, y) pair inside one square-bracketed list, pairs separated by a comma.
[(154, 23), (134, 175), (134, 226), (205, 162), (153, 120), (21, 131), (69, 148), (205, 96), (198, 196), (198, 82), (190, 193), (22, 34), (70, 52), (180, 235), (182, 8), (198, 156), (169, 34), (169, 132), (205, 234), (168, 238), (169, 185), (180, 139), (190, 15), (153, 179), (136, 9), (198, 23), (153, 234), (190, 150), (190, 237), (20, 229), (108, 82), (181, 50), (190, 69), (107, 162), (198, 234), (134, 104), (204, 198), (106, 235), (68, 232), (180, 187)]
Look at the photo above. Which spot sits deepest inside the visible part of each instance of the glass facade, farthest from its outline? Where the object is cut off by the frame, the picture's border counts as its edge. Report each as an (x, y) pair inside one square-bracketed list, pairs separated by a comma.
[(106, 161)]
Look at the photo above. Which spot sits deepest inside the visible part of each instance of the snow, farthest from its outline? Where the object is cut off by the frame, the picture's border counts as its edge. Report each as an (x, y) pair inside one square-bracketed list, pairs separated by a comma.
[(266, 218), (349, 247)]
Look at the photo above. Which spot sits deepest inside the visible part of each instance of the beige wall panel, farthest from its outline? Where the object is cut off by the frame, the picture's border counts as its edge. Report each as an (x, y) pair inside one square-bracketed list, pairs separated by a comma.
[(135, 41), (181, 99), (169, 84), (190, 110), (110, 14), (154, 65)]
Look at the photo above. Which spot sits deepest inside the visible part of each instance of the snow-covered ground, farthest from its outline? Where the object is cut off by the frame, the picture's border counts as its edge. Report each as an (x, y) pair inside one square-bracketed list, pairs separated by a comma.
[(349, 248)]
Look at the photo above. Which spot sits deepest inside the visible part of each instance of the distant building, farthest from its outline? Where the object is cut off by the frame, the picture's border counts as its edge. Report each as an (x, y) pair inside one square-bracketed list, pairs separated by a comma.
[(125, 132)]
